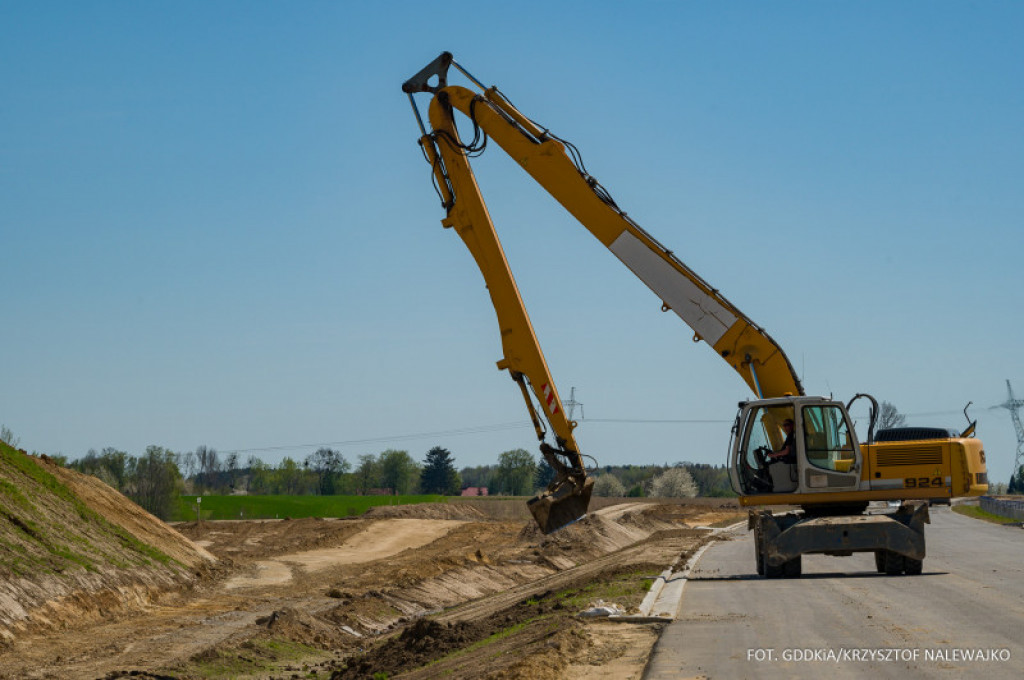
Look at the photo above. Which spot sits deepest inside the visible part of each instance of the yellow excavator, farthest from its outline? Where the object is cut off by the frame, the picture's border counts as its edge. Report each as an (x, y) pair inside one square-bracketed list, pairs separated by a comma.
[(822, 468)]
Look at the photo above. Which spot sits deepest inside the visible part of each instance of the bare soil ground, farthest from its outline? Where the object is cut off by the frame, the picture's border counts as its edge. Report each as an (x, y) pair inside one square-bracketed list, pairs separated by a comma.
[(411, 591)]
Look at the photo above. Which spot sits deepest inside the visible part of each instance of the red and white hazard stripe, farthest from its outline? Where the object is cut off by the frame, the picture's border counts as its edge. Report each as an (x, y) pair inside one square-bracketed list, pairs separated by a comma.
[(549, 396)]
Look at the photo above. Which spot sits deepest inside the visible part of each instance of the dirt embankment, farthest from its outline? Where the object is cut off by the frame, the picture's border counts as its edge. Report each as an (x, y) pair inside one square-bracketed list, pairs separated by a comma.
[(427, 511), (73, 550), (320, 597), (529, 627), (499, 599)]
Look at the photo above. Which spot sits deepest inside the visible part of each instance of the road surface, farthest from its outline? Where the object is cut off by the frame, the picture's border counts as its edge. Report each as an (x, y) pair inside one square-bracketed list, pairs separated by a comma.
[(963, 617)]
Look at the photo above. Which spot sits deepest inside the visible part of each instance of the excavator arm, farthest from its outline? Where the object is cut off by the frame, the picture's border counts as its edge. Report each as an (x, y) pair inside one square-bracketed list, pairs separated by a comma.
[(556, 165)]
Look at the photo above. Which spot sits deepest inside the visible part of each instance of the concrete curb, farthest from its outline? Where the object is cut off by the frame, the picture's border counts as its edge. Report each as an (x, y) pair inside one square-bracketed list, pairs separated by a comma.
[(663, 600)]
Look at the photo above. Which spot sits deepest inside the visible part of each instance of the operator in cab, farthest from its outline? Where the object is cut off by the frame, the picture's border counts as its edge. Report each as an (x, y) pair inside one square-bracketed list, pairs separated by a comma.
[(787, 454)]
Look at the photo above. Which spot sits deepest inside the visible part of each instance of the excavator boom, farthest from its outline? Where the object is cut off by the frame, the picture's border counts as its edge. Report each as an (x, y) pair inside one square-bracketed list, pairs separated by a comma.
[(555, 164)]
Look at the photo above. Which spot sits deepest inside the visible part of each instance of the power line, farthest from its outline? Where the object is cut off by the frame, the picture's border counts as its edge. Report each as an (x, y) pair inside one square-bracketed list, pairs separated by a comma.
[(392, 438), (462, 431), (647, 421), (499, 427), (923, 414)]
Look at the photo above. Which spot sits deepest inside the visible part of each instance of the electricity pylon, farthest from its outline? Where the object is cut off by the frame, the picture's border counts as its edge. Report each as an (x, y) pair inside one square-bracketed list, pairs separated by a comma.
[(572, 404), (1012, 405)]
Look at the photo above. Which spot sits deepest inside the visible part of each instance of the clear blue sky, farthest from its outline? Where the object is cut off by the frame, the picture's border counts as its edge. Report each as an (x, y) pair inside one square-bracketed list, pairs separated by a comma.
[(217, 227)]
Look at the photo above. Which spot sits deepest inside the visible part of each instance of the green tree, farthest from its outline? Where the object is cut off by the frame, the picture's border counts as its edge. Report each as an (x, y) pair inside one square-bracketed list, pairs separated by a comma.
[(478, 476), (545, 474), (1016, 485), (260, 476), (327, 464), (116, 462), (712, 480), (110, 466), (289, 477), (631, 475), (636, 492), (398, 471), (368, 473), (156, 481), (516, 473), (439, 474)]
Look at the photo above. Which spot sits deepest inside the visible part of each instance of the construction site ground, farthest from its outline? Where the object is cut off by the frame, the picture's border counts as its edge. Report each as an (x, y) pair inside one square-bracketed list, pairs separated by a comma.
[(456, 590)]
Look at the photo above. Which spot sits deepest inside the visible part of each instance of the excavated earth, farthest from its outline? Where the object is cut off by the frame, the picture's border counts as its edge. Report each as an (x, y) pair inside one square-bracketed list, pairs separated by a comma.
[(408, 591)]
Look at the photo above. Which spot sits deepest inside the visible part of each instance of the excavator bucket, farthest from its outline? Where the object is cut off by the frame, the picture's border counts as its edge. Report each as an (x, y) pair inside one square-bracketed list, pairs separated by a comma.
[(561, 505)]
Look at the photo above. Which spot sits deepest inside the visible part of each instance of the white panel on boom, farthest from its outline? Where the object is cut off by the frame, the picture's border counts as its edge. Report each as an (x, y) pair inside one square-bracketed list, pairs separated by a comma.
[(699, 310)]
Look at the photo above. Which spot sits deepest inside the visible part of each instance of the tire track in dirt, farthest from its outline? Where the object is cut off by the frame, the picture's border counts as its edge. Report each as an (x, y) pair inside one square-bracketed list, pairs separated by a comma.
[(378, 541)]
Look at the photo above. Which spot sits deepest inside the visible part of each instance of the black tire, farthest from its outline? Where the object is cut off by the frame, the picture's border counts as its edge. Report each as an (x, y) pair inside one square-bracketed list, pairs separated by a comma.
[(880, 561), (793, 567), (894, 563), (774, 572), (758, 555), (914, 567)]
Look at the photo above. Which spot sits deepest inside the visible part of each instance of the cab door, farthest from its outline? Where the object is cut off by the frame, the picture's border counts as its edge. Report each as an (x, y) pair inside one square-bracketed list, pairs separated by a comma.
[(758, 432), (830, 449)]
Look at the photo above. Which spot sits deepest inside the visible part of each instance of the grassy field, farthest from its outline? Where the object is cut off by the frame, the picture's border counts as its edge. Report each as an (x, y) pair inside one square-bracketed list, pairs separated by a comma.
[(279, 507)]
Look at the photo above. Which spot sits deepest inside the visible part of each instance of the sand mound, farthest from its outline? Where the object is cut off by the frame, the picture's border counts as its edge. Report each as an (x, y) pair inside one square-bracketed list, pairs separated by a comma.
[(119, 510), (608, 529), (426, 511), (302, 627), (74, 550)]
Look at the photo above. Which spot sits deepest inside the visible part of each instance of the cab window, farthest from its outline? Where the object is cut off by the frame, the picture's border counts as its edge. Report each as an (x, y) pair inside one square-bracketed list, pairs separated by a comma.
[(827, 440)]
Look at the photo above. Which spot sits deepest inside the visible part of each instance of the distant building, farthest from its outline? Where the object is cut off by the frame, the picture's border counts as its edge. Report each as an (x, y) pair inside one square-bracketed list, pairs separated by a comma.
[(475, 491), (378, 492)]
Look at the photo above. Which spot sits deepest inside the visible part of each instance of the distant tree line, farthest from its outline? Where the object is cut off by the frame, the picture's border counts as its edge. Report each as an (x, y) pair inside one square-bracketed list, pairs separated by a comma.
[(153, 480), (682, 480), (511, 474), (1016, 485), (156, 478)]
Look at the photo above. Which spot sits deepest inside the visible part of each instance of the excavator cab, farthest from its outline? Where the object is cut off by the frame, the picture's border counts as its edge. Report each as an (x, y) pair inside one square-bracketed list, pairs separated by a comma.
[(828, 456)]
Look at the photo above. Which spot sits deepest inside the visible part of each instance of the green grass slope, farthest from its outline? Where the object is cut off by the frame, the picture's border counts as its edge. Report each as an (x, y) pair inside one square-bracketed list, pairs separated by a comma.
[(44, 528), (74, 550)]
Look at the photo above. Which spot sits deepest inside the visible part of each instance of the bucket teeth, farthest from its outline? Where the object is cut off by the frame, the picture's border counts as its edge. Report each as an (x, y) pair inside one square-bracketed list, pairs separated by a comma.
[(561, 505)]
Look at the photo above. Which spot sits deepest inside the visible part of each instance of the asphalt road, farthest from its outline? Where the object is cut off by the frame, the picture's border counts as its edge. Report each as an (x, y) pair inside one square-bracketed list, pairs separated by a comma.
[(844, 620)]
